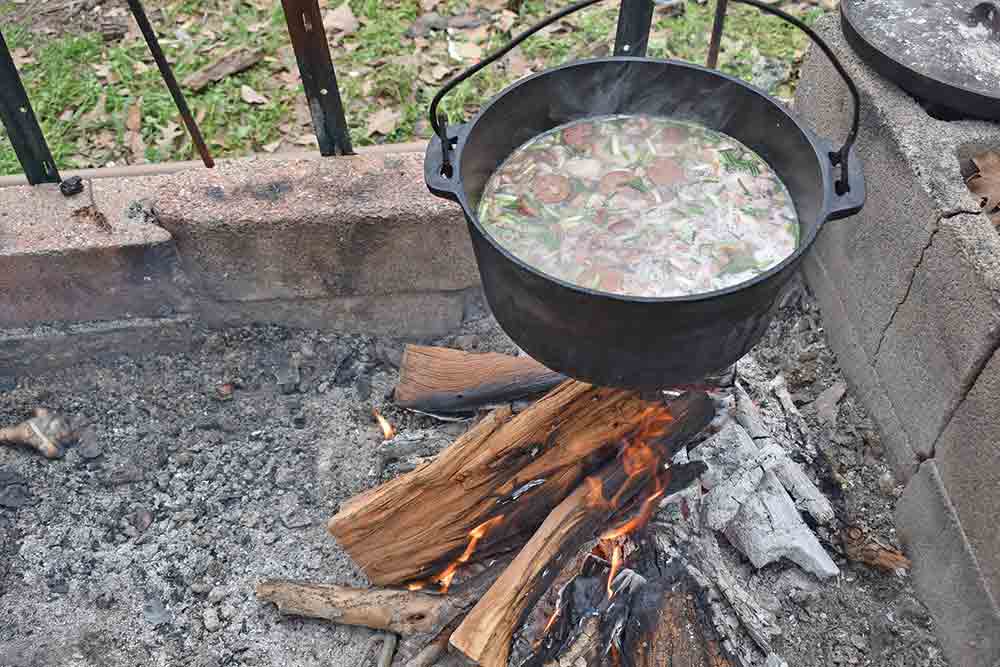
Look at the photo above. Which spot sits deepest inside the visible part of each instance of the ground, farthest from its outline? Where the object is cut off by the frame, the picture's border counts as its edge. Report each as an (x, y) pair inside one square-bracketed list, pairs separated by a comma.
[(143, 545), (101, 102)]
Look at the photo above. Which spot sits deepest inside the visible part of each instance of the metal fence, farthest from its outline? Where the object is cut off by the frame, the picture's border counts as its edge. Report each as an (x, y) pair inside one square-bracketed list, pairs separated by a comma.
[(319, 81)]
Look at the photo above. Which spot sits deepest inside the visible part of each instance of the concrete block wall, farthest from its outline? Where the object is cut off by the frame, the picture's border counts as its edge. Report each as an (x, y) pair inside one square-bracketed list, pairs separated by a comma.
[(911, 292), (355, 244)]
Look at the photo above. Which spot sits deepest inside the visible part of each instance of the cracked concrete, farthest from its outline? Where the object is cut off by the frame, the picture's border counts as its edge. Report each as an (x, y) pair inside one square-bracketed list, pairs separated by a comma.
[(911, 292)]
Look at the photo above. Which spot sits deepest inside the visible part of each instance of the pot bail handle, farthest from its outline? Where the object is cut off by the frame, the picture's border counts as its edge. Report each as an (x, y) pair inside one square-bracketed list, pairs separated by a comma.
[(839, 157), (439, 122)]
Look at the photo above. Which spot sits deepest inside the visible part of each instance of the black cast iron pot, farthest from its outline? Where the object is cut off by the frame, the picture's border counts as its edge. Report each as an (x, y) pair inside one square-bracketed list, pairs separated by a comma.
[(616, 340)]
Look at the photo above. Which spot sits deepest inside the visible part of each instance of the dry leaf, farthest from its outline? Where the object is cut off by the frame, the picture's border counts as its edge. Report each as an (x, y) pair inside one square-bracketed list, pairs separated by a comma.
[(465, 51), (271, 147), (251, 96), (168, 134), (306, 140), (383, 121), (341, 20), (478, 35), (21, 57), (505, 21), (985, 183), (133, 122), (434, 74), (233, 62), (98, 113), (517, 64)]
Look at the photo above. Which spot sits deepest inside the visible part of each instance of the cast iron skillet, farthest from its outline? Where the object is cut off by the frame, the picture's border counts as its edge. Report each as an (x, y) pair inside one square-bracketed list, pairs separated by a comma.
[(625, 341)]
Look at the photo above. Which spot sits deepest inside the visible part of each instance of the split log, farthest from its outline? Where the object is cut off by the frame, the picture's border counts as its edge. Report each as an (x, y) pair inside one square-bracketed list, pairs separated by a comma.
[(439, 379), (485, 634), (518, 467)]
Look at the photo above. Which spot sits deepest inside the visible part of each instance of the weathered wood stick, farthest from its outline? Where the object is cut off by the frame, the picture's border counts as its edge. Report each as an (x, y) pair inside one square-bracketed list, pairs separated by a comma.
[(521, 466), (485, 634), (47, 432), (400, 611), (440, 379)]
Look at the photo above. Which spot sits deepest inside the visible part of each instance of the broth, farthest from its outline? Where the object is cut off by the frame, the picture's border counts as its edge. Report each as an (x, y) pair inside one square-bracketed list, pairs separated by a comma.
[(640, 206)]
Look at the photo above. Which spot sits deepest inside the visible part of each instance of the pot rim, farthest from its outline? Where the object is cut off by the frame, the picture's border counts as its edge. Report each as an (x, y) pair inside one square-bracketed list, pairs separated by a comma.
[(821, 149)]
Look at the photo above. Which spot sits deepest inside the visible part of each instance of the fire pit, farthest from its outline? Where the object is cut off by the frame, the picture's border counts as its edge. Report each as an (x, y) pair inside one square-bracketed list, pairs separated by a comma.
[(259, 435)]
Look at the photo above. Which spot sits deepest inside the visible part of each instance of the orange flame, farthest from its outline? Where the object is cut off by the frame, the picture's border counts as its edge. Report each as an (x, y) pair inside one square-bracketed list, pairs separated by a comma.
[(388, 430), (416, 586), (475, 535), (645, 513), (616, 566)]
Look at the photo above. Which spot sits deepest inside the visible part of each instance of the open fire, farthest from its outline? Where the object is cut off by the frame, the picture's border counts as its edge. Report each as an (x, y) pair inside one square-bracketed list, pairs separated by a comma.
[(528, 541)]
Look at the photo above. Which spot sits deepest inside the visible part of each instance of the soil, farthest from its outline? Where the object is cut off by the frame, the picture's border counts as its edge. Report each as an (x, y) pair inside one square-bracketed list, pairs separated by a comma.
[(143, 544)]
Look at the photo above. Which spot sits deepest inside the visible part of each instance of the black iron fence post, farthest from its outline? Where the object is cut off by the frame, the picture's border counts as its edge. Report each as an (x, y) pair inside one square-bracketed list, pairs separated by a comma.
[(634, 20), (312, 51), (715, 41), (139, 13), (22, 126)]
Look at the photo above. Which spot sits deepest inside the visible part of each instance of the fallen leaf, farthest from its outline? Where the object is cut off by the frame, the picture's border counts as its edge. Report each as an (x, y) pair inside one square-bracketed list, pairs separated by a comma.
[(383, 121), (478, 35), (98, 113), (232, 62), (168, 134), (517, 64), (434, 74), (306, 140), (341, 20), (133, 123), (271, 147), (464, 51), (21, 57), (985, 183), (251, 96), (505, 21)]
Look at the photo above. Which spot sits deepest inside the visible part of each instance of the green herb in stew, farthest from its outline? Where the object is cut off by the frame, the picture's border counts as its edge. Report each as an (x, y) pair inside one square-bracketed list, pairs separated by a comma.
[(641, 206)]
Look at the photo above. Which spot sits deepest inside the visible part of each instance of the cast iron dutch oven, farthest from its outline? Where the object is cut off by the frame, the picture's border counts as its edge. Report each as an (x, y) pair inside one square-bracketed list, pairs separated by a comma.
[(625, 341)]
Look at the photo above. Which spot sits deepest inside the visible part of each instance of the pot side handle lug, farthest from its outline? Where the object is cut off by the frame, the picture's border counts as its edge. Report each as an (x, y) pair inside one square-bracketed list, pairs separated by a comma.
[(440, 184), (850, 202)]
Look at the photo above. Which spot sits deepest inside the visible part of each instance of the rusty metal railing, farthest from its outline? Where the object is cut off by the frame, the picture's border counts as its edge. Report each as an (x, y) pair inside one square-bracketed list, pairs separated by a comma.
[(319, 82)]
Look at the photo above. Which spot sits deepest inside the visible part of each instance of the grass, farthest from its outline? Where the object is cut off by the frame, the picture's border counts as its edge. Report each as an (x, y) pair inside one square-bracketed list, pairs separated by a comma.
[(83, 89)]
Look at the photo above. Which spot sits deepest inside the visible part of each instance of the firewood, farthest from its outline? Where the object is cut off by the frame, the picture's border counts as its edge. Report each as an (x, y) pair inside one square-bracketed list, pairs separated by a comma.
[(439, 379), (867, 549), (396, 610), (421, 618), (518, 467), (666, 628), (46, 432), (485, 634)]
